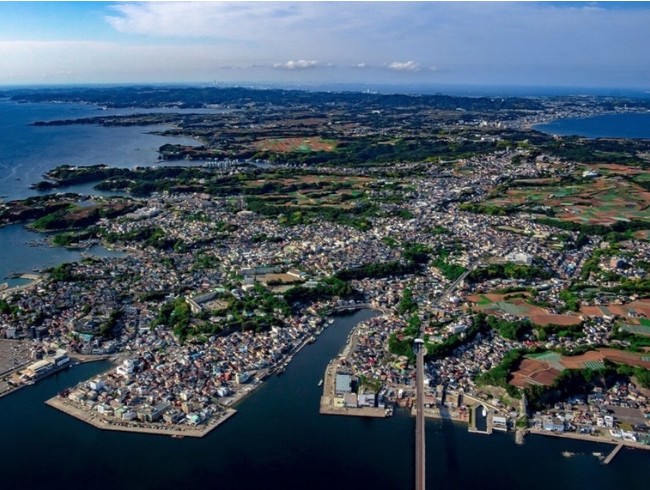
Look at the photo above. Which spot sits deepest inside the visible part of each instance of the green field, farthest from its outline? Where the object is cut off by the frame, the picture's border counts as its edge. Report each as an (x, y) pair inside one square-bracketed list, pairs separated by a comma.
[(637, 329)]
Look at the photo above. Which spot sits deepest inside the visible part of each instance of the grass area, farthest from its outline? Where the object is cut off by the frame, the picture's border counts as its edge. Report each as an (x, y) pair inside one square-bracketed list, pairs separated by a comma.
[(484, 301)]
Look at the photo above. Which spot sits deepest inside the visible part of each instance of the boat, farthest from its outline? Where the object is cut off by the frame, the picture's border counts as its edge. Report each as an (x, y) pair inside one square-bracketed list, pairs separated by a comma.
[(311, 340), (330, 321), (568, 454), (320, 383), (177, 436)]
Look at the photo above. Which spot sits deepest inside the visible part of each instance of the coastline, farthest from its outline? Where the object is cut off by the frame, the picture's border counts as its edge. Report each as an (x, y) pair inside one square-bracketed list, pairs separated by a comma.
[(329, 403), (590, 438), (100, 422), (226, 408), (544, 120)]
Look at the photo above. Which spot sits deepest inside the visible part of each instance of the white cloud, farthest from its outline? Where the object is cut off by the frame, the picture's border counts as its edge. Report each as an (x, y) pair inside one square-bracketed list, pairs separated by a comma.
[(411, 66), (297, 64), (473, 43), (222, 20)]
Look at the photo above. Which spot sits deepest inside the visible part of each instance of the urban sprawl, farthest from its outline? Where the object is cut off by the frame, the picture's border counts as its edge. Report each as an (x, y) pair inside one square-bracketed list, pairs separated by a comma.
[(523, 265)]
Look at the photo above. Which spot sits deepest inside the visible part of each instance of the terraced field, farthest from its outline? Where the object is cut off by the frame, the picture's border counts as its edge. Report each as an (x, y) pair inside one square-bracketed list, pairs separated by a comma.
[(502, 304), (601, 201), (303, 145), (543, 368)]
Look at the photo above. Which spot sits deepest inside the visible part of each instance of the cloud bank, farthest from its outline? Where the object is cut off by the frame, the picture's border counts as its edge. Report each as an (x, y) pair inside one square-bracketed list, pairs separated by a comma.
[(526, 43)]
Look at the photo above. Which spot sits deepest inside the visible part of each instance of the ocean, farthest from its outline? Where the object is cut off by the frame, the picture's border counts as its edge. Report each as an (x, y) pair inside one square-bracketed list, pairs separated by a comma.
[(634, 125), (27, 152)]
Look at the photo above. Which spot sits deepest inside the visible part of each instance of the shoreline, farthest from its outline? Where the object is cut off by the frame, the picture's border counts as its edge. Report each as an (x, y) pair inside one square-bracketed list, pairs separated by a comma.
[(328, 404), (78, 358), (104, 423), (228, 405), (589, 438), (532, 126)]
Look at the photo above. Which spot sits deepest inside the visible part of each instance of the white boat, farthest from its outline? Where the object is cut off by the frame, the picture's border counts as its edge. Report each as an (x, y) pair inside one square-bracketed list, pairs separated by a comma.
[(320, 383)]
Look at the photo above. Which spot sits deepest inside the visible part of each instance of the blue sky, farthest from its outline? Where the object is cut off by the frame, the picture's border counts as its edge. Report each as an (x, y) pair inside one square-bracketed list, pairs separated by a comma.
[(574, 44)]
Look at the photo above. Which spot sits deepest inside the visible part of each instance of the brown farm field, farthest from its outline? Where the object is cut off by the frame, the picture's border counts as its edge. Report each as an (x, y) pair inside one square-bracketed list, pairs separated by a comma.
[(288, 145), (601, 201), (630, 311), (500, 304), (542, 369)]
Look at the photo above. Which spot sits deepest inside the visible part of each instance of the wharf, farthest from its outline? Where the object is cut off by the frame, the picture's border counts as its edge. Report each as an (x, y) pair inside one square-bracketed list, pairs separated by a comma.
[(613, 454), (8, 291), (437, 414), (328, 403), (105, 423), (327, 400), (592, 438), (520, 437)]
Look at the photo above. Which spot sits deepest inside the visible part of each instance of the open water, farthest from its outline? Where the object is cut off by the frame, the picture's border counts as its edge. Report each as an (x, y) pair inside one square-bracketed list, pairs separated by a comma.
[(27, 152), (635, 125), (278, 440)]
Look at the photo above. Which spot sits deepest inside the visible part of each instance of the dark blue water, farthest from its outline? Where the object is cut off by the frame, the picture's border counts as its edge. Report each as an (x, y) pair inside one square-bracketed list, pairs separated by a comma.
[(279, 441), (23, 250), (604, 126), (27, 152)]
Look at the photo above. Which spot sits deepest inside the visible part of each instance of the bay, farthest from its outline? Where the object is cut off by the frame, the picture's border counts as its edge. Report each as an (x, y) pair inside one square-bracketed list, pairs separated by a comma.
[(24, 250), (278, 440), (633, 125), (27, 152)]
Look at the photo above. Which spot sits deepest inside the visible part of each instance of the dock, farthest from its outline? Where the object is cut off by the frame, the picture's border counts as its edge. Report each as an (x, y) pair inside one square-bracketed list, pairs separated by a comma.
[(520, 437), (108, 423), (329, 404), (613, 454)]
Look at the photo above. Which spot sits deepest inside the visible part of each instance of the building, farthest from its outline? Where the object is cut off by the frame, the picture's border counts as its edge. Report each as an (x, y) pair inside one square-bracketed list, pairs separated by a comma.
[(343, 384)]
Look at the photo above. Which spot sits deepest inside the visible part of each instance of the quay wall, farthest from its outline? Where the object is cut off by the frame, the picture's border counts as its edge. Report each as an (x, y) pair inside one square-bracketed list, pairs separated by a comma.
[(100, 422)]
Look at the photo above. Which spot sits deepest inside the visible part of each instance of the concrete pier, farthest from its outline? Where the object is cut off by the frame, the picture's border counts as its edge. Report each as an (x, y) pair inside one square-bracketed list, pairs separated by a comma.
[(613, 454)]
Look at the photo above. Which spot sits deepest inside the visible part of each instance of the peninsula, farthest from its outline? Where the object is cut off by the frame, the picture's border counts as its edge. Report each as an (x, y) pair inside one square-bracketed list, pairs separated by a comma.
[(520, 258)]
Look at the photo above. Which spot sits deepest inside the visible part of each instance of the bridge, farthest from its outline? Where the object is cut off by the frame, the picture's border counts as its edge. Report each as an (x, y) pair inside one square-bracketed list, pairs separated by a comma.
[(420, 460)]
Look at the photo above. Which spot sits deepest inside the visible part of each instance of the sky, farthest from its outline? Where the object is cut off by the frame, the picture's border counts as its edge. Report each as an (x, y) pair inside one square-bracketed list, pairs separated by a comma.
[(558, 44)]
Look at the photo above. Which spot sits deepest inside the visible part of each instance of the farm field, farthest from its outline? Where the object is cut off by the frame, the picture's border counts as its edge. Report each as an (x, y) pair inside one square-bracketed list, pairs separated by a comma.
[(312, 190), (632, 312), (601, 201), (303, 145), (542, 369), (501, 304)]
